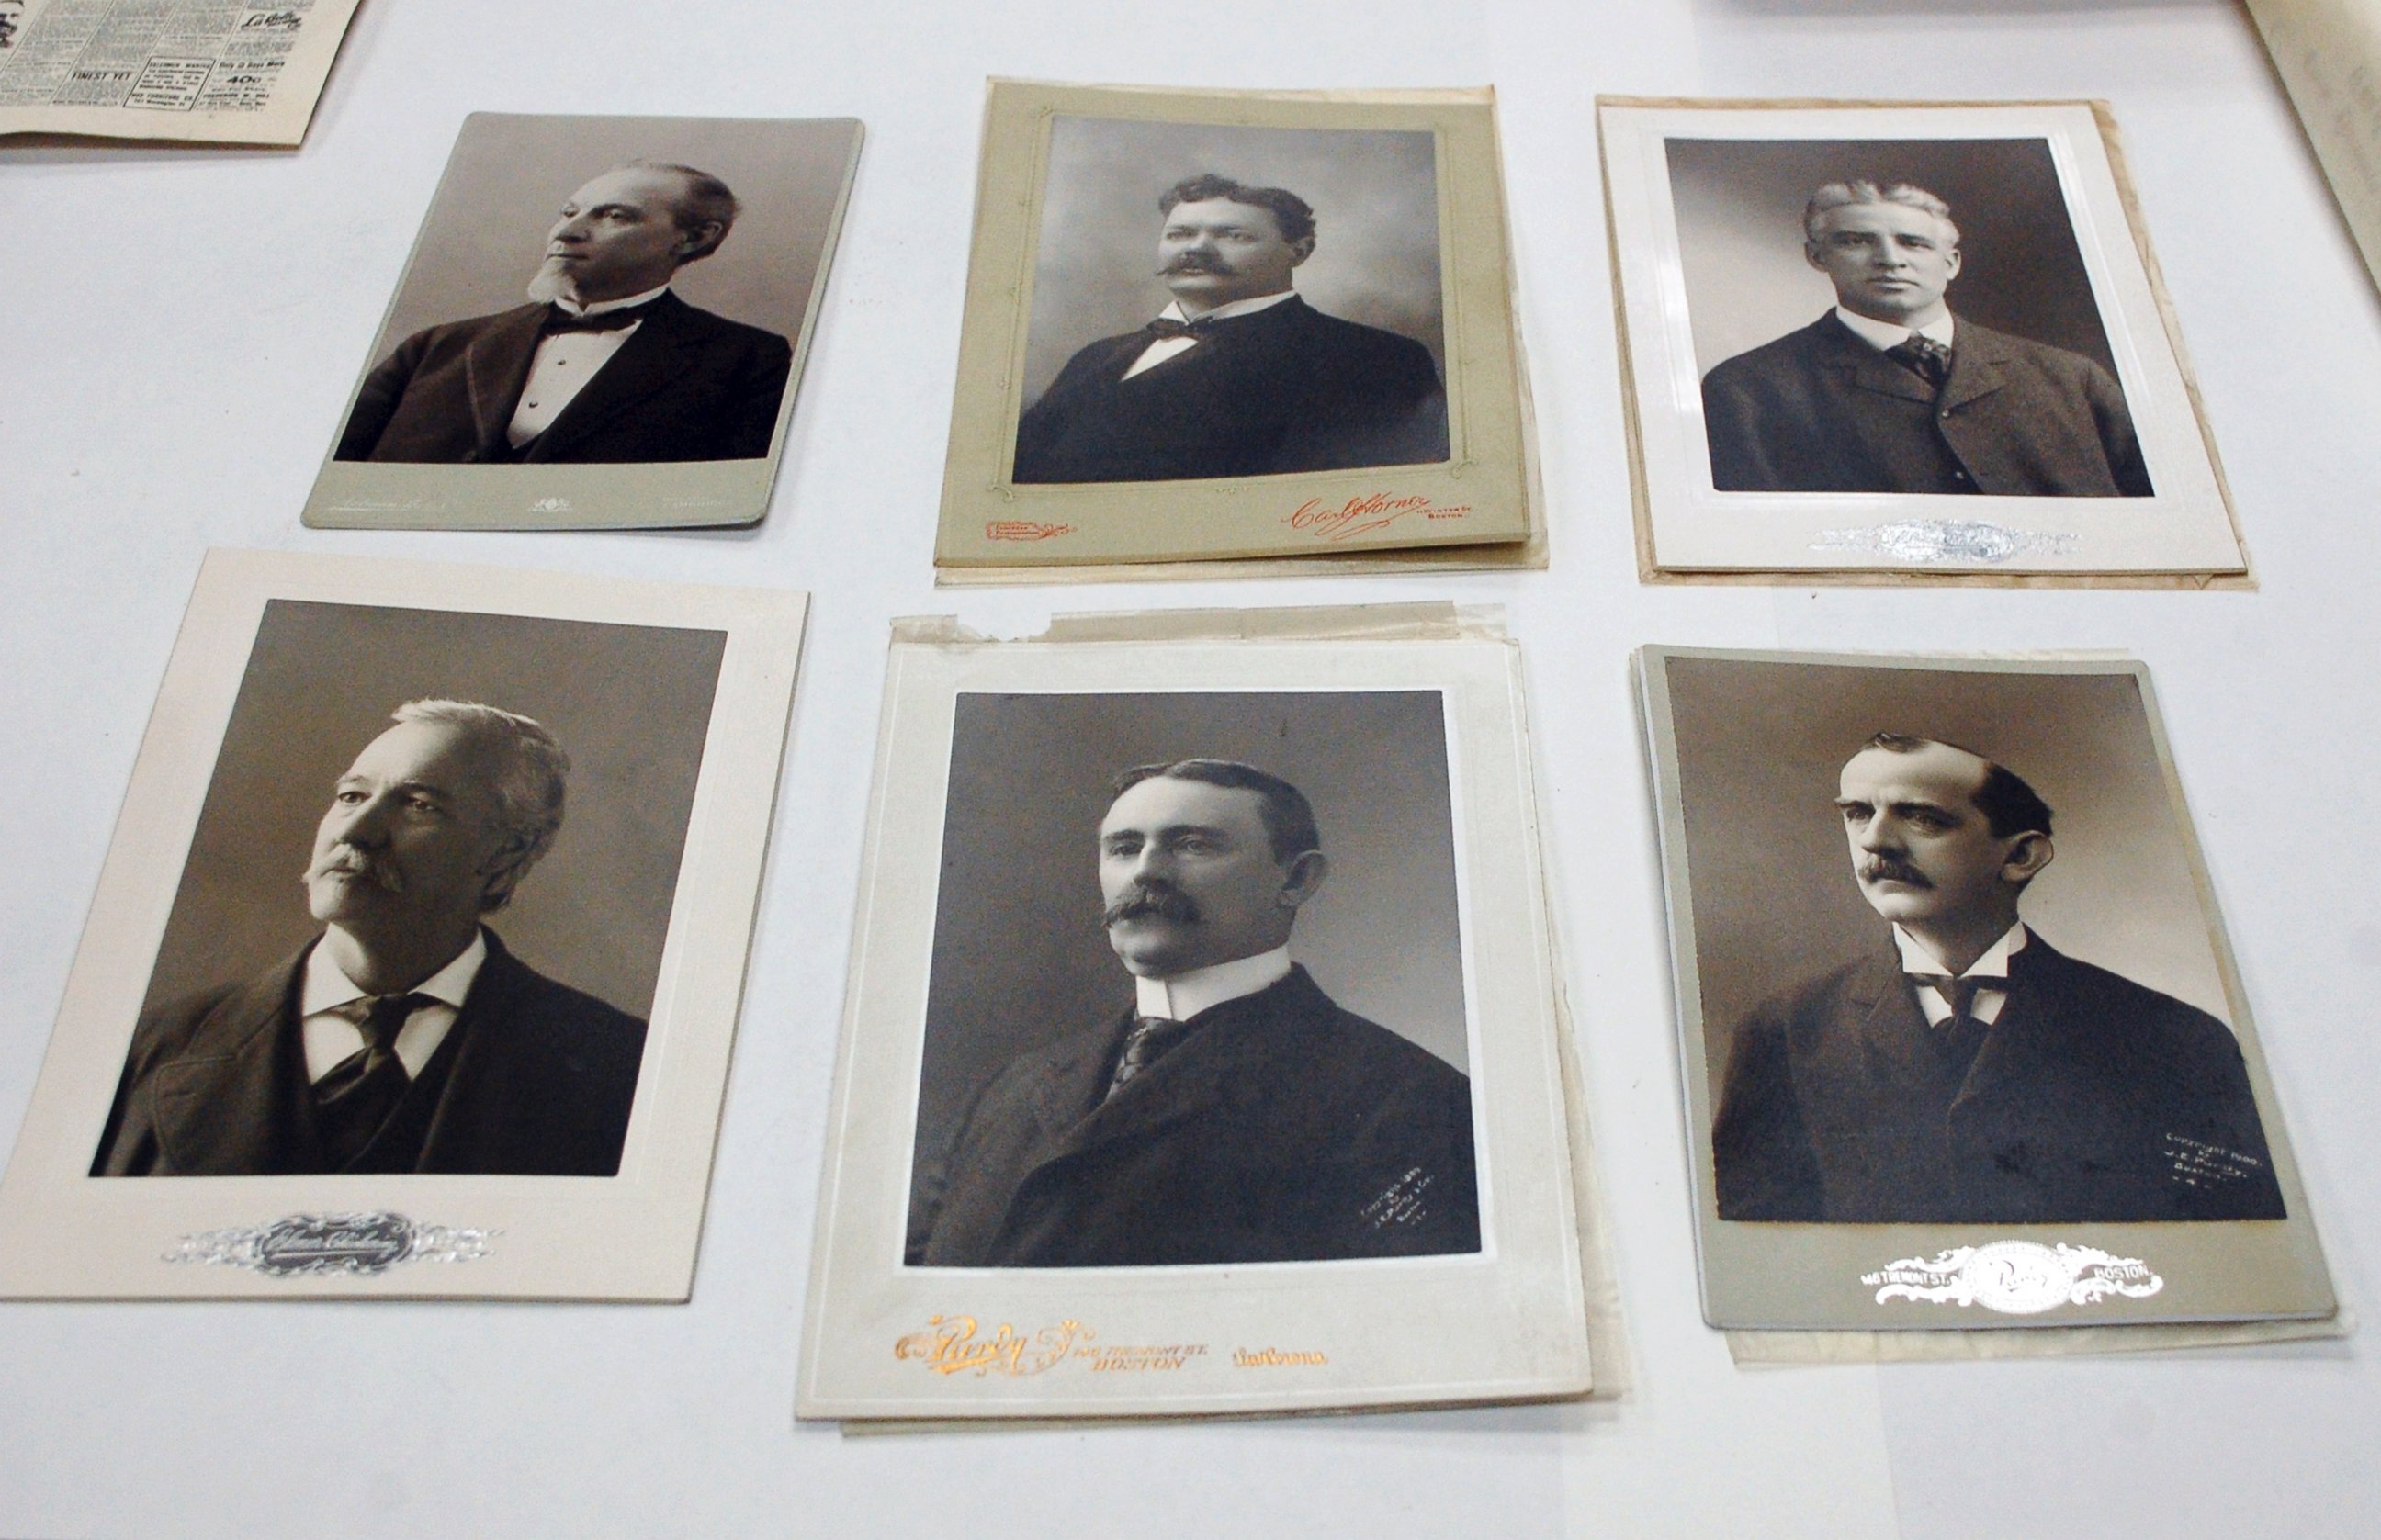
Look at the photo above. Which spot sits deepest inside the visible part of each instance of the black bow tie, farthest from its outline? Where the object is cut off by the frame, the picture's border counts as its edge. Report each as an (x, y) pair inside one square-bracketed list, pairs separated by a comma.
[(559, 319), (1167, 326)]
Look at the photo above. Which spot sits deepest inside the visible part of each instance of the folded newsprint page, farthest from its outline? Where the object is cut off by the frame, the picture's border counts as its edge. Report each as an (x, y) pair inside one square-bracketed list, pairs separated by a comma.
[(200, 71), (1964, 1045), (1238, 326), (1203, 1049), (2328, 54), (478, 1053)]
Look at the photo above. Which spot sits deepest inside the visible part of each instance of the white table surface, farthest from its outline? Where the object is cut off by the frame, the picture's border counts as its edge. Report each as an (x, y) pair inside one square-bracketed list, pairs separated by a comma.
[(177, 329)]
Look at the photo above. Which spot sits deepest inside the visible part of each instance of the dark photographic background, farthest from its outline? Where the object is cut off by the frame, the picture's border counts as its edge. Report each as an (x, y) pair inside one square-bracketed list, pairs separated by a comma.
[(630, 704), (510, 173), (1739, 211), (1020, 956), (1375, 193), (1760, 746)]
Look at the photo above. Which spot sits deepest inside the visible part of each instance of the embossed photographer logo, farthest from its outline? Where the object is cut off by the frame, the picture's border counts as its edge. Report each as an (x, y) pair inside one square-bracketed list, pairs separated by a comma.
[(2015, 1278)]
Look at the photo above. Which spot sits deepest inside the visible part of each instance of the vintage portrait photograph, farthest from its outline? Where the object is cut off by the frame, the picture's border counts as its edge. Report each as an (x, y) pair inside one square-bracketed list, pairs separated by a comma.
[(432, 891), (1246, 290), (349, 980), (1934, 321), (1954, 961), (1198, 317), (1201, 1023), (605, 291), (1179, 955)]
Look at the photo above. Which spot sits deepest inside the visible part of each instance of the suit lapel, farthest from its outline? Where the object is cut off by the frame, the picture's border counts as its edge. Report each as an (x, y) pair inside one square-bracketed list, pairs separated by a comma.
[(460, 1122), (1854, 363), (495, 367), (224, 1103), (2022, 1046), (653, 358), (1977, 359), (1893, 1045)]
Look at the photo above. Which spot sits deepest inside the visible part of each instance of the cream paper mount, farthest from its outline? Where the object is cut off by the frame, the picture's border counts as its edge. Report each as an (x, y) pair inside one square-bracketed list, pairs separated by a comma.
[(2134, 1218), (1704, 204), (683, 426), (672, 702), (1410, 242), (979, 944)]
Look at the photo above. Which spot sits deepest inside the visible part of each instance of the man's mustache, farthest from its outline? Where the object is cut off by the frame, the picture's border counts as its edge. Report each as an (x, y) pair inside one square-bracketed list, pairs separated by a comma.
[(1892, 868), (347, 861), (1195, 261), (1160, 900)]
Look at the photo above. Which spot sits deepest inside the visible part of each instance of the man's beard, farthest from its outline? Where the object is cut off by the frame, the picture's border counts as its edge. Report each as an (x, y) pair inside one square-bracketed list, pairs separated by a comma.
[(1152, 900), (1892, 868), (552, 283)]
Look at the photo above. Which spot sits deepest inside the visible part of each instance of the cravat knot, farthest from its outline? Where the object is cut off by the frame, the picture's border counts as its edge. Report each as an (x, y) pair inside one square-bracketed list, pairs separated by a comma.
[(1924, 356), (1167, 326), (1958, 993), (380, 1018), (357, 1097), (559, 319), (1150, 1039)]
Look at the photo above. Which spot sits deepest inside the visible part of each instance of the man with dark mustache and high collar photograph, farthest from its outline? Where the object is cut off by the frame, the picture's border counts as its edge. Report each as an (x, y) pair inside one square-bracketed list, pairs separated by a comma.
[(1969, 1072), (404, 1037), (1234, 1113), (1236, 375), (606, 363)]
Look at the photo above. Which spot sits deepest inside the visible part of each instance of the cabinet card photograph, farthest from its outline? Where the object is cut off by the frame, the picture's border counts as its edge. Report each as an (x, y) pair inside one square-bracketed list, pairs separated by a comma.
[(1220, 325), (1960, 1023), (450, 962), (1202, 1026), (1901, 340), (601, 326)]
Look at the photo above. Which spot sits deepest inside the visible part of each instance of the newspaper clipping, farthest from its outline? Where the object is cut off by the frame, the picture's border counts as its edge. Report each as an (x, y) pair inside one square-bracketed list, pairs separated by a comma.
[(210, 71)]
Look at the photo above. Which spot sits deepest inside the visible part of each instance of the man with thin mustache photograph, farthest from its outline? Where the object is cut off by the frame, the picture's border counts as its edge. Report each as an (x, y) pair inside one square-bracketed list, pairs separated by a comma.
[(1238, 375), (605, 364), (1890, 391), (1233, 1113), (406, 1036), (1969, 1072)]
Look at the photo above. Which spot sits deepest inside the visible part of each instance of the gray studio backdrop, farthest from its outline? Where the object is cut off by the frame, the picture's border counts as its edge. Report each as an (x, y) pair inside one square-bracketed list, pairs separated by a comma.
[(1374, 194), (1739, 211), (1019, 955), (630, 704), (510, 173), (1775, 901)]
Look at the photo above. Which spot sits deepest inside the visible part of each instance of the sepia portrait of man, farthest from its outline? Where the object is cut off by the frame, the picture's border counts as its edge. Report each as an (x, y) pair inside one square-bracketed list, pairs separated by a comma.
[(606, 363), (1229, 1109), (405, 1037), (1975, 1073)]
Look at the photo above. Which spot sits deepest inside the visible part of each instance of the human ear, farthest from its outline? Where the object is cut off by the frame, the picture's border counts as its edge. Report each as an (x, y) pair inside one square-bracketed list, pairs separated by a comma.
[(1301, 878), (2026, 857)]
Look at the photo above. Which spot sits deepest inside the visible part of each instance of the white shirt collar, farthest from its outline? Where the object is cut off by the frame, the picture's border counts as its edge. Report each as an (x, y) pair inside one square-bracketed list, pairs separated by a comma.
[(1185, 995), (1882, 335), (1173, 310), (1994, 963), (603, 307), (326, 985)]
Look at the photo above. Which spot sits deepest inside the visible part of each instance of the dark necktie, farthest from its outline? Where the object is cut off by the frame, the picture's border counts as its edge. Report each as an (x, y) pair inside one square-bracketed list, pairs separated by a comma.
[(1924, 356), (559, 319), (1148, 1041), (1959, 1035), (356, 1098), (1167, 326)]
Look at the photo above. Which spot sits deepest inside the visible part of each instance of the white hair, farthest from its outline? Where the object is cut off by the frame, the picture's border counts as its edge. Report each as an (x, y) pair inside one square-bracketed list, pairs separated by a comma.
[(1838, 195), (530, 784)]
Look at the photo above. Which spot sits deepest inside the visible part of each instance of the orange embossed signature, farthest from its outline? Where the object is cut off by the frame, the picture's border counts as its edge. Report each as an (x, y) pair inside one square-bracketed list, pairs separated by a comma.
[(949, 1346), (1361, 516), (1023, 530)]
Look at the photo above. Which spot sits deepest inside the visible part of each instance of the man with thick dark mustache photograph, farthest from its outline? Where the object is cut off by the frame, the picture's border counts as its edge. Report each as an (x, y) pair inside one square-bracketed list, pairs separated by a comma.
[(405, 1037), (1236, 375), (605, 364), (1890, 391), (1233, 1113), (1968, 1072)]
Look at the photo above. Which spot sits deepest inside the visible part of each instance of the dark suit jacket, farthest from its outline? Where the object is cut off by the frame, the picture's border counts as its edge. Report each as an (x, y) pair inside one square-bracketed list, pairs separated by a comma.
[(1819, 410), (686, 385), (537, 1081), (2092, 1099), (1285, 389), (1281, 1128)]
